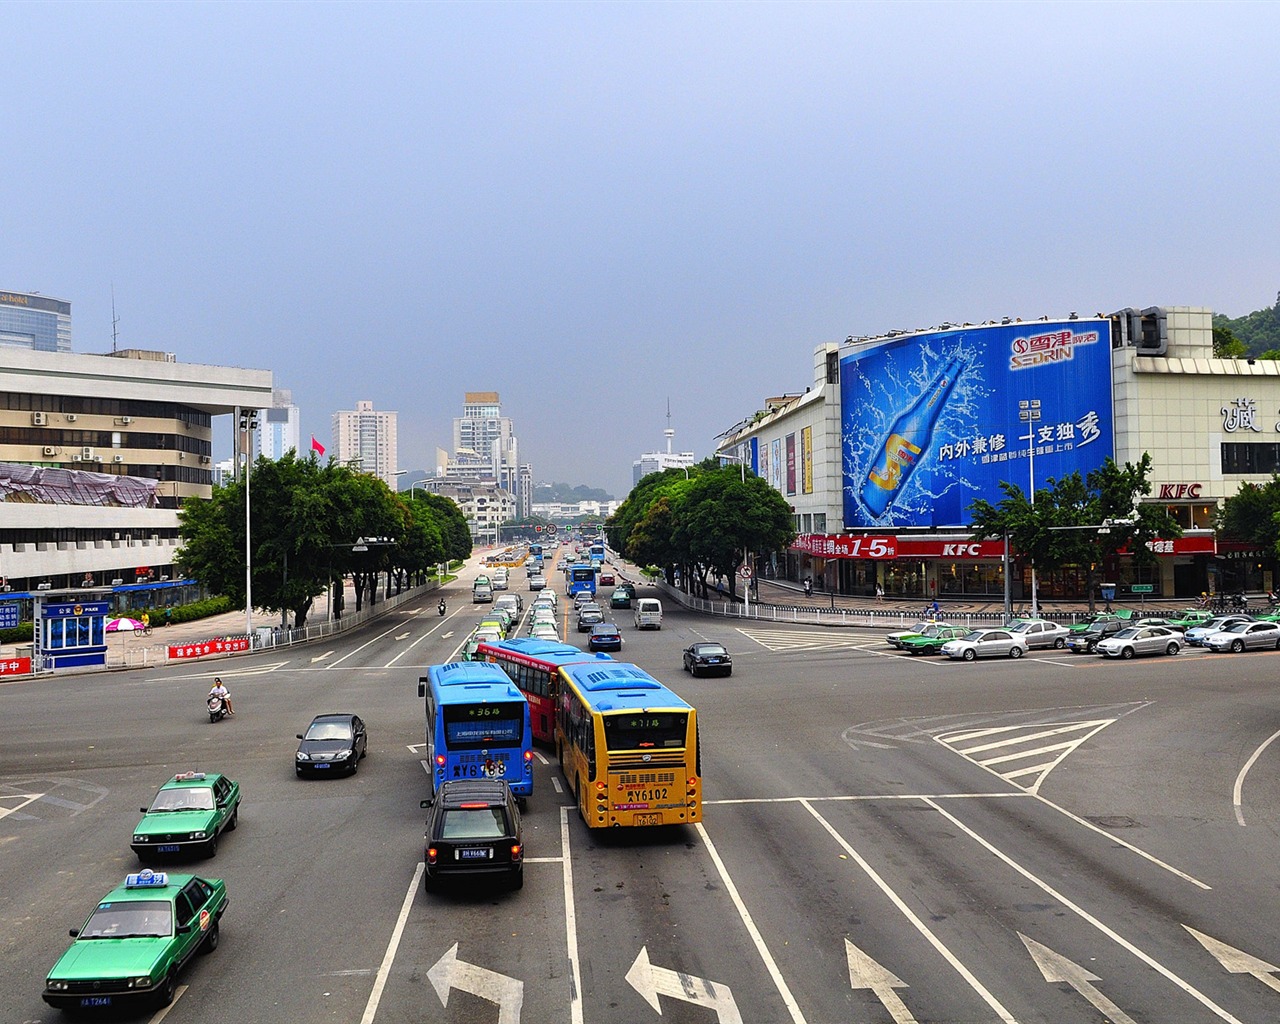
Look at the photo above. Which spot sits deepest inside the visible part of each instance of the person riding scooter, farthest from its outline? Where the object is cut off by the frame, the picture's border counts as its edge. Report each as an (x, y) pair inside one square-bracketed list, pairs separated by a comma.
[(223, 694), (442, 606)]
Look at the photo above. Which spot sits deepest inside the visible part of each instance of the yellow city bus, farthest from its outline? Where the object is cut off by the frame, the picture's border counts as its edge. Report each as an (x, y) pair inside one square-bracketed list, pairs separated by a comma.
[(628, 747)]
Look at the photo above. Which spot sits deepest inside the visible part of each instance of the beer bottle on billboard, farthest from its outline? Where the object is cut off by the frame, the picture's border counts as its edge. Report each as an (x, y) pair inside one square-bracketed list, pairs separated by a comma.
[(908, 440)]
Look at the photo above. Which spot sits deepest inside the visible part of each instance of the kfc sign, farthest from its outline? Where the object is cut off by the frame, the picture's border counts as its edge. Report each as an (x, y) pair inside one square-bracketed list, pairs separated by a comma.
[(1171, 492)]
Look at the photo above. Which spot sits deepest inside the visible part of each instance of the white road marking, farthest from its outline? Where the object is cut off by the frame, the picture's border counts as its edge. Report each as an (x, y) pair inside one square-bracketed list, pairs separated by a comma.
[(784, 640), (570, 920), (26, 798), (321, 657), (770, 965), (541, 757), (1237, 961), (374, 640), (652, 981), (449, 973), (964, 972), (866, 973), (384, 969), (414, 644), (401, 636), (1238, 788), (1057, 969), (1084, 915), (178, 993), (1014, 745)]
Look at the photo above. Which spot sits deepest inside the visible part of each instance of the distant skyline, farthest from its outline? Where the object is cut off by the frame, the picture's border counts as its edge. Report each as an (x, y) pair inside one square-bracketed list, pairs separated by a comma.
[(594, 208)]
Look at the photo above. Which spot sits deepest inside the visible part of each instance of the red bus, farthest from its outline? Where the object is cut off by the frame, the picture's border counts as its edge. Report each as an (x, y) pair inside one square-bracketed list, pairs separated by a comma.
[(532, 666)]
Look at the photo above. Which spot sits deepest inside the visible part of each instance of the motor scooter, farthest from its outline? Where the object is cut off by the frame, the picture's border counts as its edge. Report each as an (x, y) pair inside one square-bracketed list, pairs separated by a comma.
[(441, 606), (217, 708)]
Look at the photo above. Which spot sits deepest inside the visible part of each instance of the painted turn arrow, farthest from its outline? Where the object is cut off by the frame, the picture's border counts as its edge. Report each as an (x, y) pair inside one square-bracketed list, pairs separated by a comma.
[(449, 973), (1056, 968), (1237, 961), (651, 982), (866, 973)]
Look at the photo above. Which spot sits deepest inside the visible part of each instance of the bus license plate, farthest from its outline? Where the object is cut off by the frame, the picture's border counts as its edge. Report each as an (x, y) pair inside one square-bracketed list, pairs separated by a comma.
[(648, 819), (168, 848)]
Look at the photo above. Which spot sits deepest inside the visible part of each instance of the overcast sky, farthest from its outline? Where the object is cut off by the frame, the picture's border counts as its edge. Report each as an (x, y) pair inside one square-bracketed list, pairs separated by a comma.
[(594, 208)]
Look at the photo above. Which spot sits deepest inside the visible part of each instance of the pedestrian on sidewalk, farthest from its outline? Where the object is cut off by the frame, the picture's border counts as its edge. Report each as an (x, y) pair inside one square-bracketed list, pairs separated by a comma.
[(879, 592)]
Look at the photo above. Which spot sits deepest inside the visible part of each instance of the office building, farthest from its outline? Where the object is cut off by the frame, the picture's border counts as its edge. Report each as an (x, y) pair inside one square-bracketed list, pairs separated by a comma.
[(656, 462), (366, 440), (279, 426), (34, 321), (483, 436)]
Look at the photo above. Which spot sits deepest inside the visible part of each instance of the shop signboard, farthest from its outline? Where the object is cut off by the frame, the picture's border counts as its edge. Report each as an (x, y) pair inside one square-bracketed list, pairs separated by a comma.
[(8, 616), (932, 422)]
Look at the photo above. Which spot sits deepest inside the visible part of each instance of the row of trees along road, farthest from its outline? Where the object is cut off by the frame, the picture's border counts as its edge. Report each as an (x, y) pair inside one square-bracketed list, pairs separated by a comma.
[(1063, 526), (703, 523), (305, 519)]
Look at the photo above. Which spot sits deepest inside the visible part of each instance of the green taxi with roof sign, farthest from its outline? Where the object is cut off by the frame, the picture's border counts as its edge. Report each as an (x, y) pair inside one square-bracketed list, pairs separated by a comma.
[(133, 945), (932, 639), (1189, 618), (191, 810)]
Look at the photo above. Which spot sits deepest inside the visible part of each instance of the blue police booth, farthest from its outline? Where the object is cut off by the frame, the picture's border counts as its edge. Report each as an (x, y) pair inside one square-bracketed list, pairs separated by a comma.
[(70, 633)]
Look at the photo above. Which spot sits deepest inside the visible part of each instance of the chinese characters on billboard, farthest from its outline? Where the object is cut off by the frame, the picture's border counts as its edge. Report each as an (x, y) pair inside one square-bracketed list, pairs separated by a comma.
[(930, 423)]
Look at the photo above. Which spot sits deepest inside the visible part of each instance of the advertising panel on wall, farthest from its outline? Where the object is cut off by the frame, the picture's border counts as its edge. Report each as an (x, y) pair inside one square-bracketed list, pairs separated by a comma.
[(791, 463), (806, 458), (931, 422), (775, 463)]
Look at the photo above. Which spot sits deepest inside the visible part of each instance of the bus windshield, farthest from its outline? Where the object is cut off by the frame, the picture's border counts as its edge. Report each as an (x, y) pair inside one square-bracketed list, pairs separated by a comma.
[(470, 726), (645, 731)]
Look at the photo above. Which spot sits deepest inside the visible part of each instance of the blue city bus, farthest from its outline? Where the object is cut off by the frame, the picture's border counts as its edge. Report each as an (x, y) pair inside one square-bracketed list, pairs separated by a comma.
[(581, 577), (477, 726), (536, 551), (596, 554)]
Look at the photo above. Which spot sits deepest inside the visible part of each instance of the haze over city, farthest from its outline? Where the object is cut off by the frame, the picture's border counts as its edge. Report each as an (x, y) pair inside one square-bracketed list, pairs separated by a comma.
[(594, 209)]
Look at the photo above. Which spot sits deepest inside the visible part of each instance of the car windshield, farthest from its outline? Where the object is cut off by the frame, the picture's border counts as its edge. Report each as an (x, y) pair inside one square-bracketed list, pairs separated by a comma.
[(194, 798), (1128, 634), (976, 634), (132, 920), (329, 731), (1238, 627), (468, 823)]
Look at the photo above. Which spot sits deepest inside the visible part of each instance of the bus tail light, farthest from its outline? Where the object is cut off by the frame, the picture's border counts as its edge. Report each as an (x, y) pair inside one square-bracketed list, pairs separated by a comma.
[(528, 755), (439, 760)]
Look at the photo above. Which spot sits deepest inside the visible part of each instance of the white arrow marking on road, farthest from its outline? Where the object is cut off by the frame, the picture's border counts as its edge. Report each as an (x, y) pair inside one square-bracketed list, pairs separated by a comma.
[(449, 973), (401, 636), (651, 982), (1057, 968), (1237, 961), (445, 636), (321, 657), (866, 973)]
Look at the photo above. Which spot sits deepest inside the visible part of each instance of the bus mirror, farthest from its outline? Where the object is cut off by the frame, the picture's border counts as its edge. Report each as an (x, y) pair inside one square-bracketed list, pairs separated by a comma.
[(424, 804)]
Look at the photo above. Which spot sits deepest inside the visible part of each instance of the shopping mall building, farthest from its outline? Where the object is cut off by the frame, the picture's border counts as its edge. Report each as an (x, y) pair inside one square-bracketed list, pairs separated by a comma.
[(883, 455)]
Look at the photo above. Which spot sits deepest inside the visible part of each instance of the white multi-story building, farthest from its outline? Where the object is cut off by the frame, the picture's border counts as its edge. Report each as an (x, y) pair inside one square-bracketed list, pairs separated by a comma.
[(485, 506), (366, 440), (279, 427), (656, 462), (484, 434)]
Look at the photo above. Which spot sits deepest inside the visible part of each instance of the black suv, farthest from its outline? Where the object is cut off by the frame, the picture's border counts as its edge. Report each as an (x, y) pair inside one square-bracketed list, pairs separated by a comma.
[(1087, 642), (473, 829)]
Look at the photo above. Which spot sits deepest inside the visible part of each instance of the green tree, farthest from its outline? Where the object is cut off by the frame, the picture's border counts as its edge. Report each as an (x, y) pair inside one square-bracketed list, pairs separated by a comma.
[(1252, 514), (1258, 331), (1227, 346)]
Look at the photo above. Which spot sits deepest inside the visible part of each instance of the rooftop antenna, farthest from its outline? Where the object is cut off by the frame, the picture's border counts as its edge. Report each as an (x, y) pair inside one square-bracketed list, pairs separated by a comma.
[(669, 433), (115, 320)]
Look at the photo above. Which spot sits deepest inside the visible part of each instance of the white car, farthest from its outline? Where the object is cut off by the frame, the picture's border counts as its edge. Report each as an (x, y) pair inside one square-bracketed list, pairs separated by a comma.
[(894, 639), (537, 582), (1141, 640), (1041, 633), (545, 631), (987, 643), (1245, 636)]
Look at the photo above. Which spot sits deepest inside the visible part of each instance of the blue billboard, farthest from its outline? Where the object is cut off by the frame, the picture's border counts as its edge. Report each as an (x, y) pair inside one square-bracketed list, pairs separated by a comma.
[(932, 422)]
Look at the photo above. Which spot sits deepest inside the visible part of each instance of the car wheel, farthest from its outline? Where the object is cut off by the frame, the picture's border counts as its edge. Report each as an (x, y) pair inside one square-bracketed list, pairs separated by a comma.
[(210, 849), (1172, 648), (1059, 643), (428, 882), (1237, 646), (211, 940), (693, 671), (1092, 648), (517, 880), (729, 672), (1126, 653), (970, 654), (167, 990), (234, 820), (1015, 652), (355, 765)]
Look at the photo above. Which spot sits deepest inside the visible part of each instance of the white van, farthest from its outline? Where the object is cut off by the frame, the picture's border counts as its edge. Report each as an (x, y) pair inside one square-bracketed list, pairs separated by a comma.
[(648, 613)]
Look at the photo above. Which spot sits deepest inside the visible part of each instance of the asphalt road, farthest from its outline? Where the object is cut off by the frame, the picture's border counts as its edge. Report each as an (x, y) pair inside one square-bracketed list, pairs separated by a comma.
[(886, 839)]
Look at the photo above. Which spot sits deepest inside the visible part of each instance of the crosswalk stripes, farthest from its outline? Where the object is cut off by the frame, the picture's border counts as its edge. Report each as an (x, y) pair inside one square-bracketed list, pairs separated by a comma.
[(811, 640), (1022, 755)]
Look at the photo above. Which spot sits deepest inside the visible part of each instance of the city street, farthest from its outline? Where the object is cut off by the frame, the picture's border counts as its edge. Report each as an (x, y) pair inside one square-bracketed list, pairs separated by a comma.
[(887, 838)]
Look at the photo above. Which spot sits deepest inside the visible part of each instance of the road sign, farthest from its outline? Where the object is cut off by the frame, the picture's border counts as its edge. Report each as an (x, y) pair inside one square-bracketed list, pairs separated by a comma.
[(1142, 588), (8, 616), (745, 572)]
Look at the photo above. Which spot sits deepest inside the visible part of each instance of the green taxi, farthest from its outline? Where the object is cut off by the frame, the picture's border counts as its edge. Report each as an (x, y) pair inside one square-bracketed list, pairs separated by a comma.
[(133, 945), (1091, 623), (191, 810), (1189, 618), (932, 639)]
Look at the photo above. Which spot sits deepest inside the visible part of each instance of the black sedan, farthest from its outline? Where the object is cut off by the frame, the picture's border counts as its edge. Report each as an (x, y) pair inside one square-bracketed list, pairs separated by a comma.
[(707, 657), (332, 743), (604, 636)]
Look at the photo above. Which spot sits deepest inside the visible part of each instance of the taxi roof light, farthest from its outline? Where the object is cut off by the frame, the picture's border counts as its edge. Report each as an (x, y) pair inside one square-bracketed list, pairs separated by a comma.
[(189, 777), (146, 879)]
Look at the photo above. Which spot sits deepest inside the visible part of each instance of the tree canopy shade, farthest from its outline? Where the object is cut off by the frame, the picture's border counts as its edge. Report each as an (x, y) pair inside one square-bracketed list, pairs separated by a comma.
[(705, 522), (1252, 514), (305, 518), (1079, 521), (1254, 334)]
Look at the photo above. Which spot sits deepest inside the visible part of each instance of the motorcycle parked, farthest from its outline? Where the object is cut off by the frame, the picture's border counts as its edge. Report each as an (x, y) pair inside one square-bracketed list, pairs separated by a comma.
[(217, 708)]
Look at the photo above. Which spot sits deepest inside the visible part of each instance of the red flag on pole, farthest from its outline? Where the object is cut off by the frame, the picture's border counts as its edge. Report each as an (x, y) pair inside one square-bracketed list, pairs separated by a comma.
[(316, 446)]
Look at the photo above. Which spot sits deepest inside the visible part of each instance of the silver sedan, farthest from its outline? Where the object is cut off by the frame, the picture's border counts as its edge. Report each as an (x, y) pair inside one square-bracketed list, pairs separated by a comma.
[(986, 643), (1141, 640), (1041, 633), (1245, 636)]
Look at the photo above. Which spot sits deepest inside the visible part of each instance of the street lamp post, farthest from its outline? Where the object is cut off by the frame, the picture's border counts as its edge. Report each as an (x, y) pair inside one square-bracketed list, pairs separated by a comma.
[(1029, 413), (248, 424)]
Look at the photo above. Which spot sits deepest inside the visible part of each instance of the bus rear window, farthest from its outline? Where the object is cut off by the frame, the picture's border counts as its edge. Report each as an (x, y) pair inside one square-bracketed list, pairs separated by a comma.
[(468, 726), (645, 731)]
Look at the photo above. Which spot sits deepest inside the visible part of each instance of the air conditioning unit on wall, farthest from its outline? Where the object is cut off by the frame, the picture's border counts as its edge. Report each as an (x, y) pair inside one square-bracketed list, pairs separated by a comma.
[(50, 450), (86, 455), (126, 420), (72, 417), (39, 419), (117, 458)]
